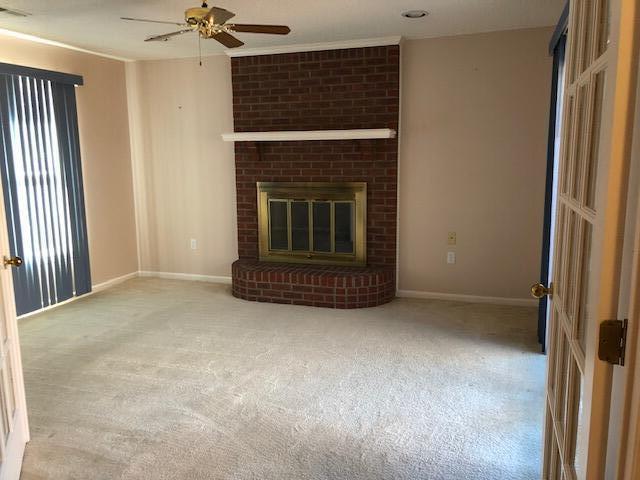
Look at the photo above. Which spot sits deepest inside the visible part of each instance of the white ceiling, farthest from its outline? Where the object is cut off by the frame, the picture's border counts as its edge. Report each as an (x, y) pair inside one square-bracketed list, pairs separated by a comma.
[(95, 24)]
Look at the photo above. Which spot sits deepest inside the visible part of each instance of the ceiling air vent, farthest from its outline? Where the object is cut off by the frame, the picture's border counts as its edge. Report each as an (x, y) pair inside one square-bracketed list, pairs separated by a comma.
[(15, 13)]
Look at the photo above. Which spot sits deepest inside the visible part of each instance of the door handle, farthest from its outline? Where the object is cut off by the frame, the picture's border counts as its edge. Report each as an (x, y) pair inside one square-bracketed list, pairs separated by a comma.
[(538, 290), (13, 261)]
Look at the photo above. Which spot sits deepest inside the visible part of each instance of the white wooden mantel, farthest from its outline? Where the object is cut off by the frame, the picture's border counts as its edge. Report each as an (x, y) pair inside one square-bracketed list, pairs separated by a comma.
[(300, 135)]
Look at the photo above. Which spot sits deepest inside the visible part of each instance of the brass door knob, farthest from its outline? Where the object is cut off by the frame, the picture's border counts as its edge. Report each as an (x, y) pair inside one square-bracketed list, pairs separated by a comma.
[(538, 290), (13, 261)]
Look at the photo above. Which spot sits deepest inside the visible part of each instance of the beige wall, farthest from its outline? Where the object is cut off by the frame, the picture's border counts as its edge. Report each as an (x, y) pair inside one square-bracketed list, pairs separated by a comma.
[(473, 153), (185, 176), (472, 160), (104, 145), (473, 141)]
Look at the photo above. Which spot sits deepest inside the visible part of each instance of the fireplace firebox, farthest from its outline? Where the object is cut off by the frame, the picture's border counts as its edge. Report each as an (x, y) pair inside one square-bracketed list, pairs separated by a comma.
[(311, 222)]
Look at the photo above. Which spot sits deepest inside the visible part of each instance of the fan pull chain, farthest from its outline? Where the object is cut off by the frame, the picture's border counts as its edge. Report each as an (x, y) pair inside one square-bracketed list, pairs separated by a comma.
[(200, 48)]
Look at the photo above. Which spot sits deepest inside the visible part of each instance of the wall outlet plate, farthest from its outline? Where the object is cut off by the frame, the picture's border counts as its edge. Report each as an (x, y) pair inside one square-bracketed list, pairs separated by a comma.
[(451, 257)]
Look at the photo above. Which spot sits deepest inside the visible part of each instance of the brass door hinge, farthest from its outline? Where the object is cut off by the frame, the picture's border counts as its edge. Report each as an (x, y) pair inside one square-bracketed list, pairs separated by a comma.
[(613, 340)]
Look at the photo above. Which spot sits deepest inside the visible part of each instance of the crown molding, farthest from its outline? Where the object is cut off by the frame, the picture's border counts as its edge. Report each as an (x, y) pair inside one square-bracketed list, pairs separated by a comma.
[(314, 47), (53, 43)]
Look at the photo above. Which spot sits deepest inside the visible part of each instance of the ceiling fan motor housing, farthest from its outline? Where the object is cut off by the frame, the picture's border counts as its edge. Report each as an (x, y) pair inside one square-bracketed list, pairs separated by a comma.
[(194, 15)]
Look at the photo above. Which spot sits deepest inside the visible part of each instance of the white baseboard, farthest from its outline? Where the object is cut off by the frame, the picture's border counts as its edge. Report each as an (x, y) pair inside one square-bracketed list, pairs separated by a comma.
[(188, 276), (114, 281), (455, 297)]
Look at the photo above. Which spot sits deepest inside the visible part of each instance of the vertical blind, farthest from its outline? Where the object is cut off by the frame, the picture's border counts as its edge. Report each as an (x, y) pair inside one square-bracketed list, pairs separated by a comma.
[(43, 194)]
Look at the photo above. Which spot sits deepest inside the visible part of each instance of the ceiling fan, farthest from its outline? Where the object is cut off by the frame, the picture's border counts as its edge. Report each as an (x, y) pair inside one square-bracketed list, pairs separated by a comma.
[(212, 23), (15, 13)]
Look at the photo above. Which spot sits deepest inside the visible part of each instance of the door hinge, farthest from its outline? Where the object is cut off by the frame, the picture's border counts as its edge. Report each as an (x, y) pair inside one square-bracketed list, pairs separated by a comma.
[(613, 341)]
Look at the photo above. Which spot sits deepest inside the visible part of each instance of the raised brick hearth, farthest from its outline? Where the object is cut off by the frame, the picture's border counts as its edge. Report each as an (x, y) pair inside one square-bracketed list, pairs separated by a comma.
[(313, 285), (323, 90)]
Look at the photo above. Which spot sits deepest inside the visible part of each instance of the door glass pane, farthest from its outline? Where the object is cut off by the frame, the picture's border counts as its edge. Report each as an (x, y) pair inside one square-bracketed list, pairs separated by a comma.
[(583, 311), (579, 160), (6, 420), (322, 226), (553, 352), (567, 146), (344, 227), (300, 226), (580, 451), (3, 332), (9, 398), (556, 462), (574, 41), (604, 26), (558, 268), (572, 407), (13, 399), (592, 160), (278, 225), (571, 254), (587, 34), (549, 441), (562, 382)]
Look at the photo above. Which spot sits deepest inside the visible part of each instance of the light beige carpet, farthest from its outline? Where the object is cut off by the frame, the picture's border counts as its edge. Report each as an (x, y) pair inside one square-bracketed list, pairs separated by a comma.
[(158, 379)]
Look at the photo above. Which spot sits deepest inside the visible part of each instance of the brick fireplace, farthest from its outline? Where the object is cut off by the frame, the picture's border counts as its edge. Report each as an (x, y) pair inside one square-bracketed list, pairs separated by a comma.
[(321, 90)]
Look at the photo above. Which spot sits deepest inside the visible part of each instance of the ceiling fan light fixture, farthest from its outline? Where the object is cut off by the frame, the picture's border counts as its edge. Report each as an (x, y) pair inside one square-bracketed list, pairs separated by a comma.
[(413, 14)]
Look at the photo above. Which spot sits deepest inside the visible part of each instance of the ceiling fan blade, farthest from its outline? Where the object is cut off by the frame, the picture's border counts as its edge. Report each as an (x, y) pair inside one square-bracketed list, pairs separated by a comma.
[(15, 13), (227, 40), (252, 28), (219, 15), (152, 21), (167, 36)]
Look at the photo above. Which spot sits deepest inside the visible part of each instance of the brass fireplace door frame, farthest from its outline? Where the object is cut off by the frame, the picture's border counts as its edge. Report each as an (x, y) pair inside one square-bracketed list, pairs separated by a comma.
[(355, 192)]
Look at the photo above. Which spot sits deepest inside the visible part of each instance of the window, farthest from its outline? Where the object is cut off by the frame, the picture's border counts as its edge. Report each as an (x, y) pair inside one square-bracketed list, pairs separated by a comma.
[(42, 183)]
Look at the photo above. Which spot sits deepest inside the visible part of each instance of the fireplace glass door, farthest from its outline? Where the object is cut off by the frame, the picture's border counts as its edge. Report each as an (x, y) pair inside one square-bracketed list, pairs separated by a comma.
[(312, 222)]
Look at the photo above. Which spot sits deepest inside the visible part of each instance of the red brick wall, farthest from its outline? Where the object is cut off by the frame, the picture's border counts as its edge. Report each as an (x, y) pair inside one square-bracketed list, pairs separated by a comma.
[(333, 89)]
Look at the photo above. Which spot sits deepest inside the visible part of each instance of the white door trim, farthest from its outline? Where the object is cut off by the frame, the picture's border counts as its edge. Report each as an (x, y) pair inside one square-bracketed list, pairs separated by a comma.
[(628, 467), (614, 215), (628, 461)]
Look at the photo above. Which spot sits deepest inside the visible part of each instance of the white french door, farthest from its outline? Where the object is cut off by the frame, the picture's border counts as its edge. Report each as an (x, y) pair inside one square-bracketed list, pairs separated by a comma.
[(588, 230), (14, 428)]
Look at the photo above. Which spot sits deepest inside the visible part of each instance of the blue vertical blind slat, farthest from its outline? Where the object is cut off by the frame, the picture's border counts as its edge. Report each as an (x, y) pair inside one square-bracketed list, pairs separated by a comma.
[(12, 155), (26, 213), (36, 185), (58, 205), (30, 181), (67, 118), (42, 181), (42, 189)]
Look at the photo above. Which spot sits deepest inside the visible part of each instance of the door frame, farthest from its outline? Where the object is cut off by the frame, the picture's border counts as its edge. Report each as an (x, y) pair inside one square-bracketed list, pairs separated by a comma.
[(620, 147), (628, 461)]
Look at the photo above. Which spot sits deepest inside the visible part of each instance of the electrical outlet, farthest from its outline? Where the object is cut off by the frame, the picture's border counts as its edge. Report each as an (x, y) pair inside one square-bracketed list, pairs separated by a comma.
[(194, 244), (452, 238), (451, 257)]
